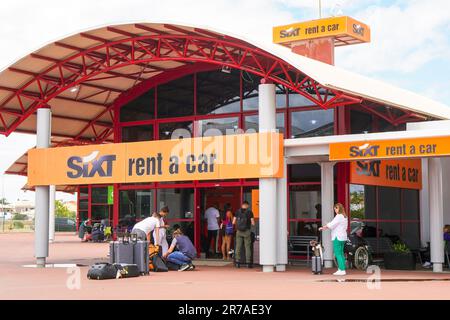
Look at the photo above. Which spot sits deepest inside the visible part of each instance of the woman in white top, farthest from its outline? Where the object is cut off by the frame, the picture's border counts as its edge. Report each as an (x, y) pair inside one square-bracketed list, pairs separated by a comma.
[(162, 235), (338, 228)]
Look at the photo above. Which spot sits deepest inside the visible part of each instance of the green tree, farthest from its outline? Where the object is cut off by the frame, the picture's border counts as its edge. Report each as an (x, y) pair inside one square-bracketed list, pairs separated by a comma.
[(61, 211)]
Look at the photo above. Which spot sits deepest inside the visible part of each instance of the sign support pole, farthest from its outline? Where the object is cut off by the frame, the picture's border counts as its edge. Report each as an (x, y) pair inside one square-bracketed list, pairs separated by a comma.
[(51, 231), (436, 213), (41, 223)]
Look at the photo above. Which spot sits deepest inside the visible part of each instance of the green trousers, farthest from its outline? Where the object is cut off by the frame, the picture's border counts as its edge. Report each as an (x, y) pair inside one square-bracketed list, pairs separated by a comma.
[(243, 238), (338, 247)]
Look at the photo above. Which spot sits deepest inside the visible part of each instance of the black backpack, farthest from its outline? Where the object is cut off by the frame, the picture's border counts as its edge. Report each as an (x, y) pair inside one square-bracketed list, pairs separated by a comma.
[(242, 221)]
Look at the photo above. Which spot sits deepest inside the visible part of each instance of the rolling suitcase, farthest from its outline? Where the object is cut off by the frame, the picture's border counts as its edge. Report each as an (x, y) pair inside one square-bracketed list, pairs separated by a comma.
[(121, 251), (141, 255), (316, 265), (102, 271), (127, 270)]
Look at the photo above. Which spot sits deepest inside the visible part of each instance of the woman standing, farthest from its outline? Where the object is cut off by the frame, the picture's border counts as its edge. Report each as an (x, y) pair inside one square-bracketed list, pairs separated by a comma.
[(338, 228), (228, 230)]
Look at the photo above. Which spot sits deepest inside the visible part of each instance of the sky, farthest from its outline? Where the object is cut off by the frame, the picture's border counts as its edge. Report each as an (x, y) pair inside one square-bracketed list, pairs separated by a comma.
[(410, 44)]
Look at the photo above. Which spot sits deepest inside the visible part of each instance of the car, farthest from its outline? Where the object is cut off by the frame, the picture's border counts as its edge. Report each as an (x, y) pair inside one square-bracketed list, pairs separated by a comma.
[(65, 224)]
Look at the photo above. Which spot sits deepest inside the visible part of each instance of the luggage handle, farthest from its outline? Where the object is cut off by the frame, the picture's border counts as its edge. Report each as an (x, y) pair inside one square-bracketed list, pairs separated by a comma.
[(134, 237), (126, 238)]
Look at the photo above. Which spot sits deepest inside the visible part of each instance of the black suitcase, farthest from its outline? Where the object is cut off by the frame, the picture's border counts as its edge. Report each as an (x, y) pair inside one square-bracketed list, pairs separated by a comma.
[(238, 261), (102, 271), (158, 264), (127, 270), (316, 265)]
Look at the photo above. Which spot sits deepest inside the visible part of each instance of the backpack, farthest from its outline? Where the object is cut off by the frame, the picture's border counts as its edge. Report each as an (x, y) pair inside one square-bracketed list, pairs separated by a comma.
[(242, 221)]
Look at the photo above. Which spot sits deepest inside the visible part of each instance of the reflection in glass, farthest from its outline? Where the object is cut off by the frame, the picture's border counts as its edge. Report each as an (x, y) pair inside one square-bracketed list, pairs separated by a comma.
[(141, 108), (308, 172), (99, 213), (135, 205), (303, 228), (220, 126), (137, 133), (252, 123), (312, 123), (250, 95), (176, 98), (180, 202), (99, 194), (218, 92), (305, 202), (175, 130)]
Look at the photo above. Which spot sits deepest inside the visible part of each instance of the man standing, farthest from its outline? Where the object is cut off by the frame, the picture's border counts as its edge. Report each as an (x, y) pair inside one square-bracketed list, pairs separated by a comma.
[(212, 217), (144, 228), (244, 221)]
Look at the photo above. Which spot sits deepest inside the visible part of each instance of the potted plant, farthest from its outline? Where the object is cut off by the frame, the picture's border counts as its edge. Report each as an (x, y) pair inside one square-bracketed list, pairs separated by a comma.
[(400, 258)]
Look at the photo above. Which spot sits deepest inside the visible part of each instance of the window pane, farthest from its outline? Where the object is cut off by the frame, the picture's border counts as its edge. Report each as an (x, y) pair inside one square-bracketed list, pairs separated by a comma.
[(175, 130), (252, 122), (389, 203), (297, 100), (362, 202), (410, 204), (411, 234), (360, 122), (83, 204), (83, 216), (137, 133), (99, 195), (303, 228), (304, 172), (135, 204), (180, 202), (250, 95), (390, 229), (176, 98), (221, 126), (312, 123), (281, 96), (186, 226), (99, 213), (305, 202), (141, 108), (218, 92), (84, 192)]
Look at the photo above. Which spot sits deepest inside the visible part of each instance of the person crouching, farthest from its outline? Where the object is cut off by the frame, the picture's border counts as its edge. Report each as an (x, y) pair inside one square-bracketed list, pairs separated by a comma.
[(185, 254)]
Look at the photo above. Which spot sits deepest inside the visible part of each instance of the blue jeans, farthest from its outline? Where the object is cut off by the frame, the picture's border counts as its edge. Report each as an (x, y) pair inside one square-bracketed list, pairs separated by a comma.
[(178, 258)]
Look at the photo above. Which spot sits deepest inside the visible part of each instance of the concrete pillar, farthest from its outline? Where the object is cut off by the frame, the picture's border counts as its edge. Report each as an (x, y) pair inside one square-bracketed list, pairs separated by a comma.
[(424, 206), (282, 214), (41, 220), (51, 209), (327, 194), (436, 213), (267, 186)]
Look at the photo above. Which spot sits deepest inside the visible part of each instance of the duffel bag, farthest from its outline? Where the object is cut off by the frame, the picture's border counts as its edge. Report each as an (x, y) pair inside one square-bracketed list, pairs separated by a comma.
[(102, 271)]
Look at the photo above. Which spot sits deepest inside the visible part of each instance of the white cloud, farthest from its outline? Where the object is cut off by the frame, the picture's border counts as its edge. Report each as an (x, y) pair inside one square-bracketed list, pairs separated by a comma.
[(403, 38)]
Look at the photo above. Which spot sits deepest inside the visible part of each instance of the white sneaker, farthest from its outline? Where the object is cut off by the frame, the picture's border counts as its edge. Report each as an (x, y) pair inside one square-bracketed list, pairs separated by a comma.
[(340, 273)]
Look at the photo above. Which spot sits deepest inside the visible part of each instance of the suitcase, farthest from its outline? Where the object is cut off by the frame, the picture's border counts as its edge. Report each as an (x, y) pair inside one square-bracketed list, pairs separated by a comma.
[(127, 270), (316, 265), (238, 261), (121, 251), (141, 255), (102, 271), (158, 265)]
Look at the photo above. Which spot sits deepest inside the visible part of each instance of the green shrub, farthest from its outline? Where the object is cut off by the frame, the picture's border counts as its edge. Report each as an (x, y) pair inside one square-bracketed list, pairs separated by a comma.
[(19, 216), (18, 225), (400, 247)]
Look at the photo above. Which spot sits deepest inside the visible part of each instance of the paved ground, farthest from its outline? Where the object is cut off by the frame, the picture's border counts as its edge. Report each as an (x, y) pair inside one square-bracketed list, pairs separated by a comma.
[(206, 282)]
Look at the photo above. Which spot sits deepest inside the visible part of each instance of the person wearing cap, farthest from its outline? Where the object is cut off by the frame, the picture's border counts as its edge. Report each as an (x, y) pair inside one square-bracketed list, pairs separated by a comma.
[(144, 228)]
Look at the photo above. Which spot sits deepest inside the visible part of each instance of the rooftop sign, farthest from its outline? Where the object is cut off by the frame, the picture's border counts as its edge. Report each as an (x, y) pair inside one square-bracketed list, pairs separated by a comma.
[(345, 30)]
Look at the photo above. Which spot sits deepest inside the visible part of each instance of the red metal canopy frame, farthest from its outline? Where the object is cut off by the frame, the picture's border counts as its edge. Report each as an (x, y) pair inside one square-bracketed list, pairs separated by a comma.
[(189, 48)]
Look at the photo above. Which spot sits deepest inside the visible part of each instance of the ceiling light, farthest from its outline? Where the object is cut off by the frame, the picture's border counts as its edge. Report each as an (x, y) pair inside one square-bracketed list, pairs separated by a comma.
[(226, 69), (74, 89)]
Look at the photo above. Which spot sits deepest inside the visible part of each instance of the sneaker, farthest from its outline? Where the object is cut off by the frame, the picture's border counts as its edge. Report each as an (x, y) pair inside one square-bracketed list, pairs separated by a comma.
[(426, 264), (184, 267), (191, 267), (340, 273)]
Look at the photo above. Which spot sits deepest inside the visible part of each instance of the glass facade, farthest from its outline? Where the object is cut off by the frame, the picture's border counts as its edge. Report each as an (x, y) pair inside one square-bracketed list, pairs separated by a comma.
[(215, 102)]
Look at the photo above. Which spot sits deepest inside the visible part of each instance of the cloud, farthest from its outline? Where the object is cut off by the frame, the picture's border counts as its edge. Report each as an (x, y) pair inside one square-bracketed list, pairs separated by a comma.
[(405, 36)]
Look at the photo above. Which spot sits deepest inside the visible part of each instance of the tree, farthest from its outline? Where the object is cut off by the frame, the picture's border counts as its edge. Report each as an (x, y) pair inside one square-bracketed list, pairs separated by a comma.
[(61, 211)]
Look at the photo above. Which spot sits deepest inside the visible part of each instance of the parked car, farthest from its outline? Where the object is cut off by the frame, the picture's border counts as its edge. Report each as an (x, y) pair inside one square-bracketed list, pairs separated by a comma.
[(65, 224)]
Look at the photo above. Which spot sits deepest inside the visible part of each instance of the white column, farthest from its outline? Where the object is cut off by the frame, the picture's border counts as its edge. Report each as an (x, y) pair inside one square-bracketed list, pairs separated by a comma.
[(282, 237), (327, 194), (267, 186), (424, 205), (436, 213), (51, 209), (41, 220)]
